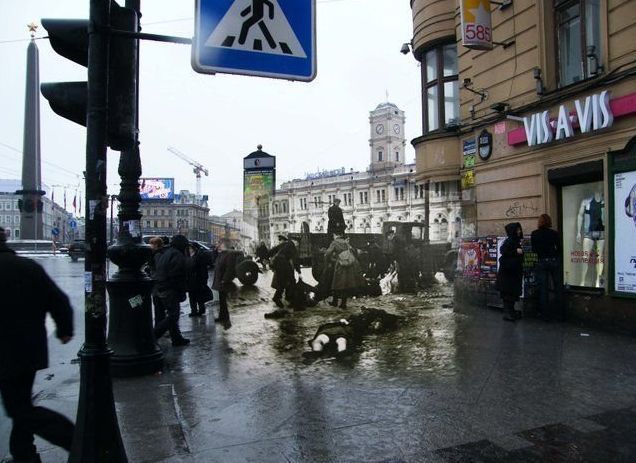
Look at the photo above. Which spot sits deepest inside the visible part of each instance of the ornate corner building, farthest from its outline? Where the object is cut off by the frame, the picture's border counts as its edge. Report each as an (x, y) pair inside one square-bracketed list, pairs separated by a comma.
[(389, 190), (542, 123)]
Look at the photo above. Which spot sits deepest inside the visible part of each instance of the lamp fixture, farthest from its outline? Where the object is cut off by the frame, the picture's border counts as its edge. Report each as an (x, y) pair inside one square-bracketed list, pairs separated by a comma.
[(536, 72), (483, 94), (500, 107)]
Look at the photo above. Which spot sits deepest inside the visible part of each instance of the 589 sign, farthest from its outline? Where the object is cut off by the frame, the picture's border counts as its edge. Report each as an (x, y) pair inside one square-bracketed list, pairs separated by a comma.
[(478, 32)]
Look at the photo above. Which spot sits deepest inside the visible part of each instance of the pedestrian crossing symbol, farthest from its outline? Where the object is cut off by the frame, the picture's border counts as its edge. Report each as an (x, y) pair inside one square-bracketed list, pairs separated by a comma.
[(267, 38)]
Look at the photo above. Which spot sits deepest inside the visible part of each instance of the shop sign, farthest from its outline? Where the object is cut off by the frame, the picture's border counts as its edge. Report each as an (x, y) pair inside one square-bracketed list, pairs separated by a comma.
[(469, 150), (594, 113), (590, 114), (476, 24), (624, 232), (484, 145)]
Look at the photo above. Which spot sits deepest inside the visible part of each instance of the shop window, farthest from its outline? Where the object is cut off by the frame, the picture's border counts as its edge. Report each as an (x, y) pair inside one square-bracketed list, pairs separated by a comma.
[(584, 219), (441, 88), (578, 39)]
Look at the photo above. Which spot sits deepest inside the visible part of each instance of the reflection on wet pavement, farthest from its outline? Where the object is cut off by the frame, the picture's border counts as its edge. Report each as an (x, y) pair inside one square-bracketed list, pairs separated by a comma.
[(451, 384)]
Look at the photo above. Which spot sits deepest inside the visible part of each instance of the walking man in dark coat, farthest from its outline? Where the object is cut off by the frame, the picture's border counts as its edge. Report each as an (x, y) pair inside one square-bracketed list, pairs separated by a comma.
[(336, 223), (224, 274), (27, 295), (170, 288), (284, 263)]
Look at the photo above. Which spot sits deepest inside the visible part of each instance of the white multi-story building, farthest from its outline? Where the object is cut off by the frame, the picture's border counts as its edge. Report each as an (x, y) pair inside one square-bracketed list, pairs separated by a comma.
[(387, 191)]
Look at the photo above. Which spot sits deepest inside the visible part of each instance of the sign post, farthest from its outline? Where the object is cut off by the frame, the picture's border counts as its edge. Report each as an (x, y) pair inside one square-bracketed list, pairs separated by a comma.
[(264, 38)]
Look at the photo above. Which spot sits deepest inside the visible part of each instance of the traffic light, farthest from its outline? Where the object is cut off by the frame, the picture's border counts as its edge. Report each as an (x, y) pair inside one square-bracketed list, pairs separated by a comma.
[(69, 38)]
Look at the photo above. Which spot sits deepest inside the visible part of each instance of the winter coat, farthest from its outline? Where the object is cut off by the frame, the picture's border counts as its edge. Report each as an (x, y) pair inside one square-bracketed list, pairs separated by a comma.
[(170, 273), (262, 252), (197, 271), (224, 270), (28, 293), (283, 263), (336, 223), (510, 273), (344, 278)]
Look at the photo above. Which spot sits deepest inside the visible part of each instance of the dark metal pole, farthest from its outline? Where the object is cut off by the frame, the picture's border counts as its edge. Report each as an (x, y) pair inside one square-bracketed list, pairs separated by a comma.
[(97, 436), (427, 211), (131, 327)]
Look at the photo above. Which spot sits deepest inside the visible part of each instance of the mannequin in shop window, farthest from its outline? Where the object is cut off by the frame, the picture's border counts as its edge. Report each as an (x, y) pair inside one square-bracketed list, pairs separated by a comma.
[(590, 233)]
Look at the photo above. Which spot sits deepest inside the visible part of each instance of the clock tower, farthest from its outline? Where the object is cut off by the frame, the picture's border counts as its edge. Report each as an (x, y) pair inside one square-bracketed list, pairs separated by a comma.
[(387, 137)]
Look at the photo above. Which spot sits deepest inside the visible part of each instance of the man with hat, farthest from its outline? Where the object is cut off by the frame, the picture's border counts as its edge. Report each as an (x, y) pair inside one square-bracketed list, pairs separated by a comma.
[(336, 223)]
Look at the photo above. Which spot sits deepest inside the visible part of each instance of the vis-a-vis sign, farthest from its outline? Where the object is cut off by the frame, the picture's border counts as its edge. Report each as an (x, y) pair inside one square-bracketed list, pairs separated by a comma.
[(476, 24)]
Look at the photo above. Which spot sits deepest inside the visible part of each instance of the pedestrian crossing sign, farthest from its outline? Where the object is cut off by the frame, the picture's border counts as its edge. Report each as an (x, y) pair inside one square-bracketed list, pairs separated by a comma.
[(265, 38)]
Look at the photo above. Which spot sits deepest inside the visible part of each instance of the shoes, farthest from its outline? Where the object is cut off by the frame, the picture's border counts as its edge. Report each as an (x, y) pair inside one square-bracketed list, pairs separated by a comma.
[(180, 342), (217, 320), (510, 318), (279, 303), (227, 324)]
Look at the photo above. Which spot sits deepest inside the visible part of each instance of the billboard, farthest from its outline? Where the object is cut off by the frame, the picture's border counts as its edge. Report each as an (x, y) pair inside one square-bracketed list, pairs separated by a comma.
[(625, 232), (256, 184), (156, 189)]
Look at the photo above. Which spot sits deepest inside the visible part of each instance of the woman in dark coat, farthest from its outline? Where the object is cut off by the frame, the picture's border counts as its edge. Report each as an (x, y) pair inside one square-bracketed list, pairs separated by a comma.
[(284, 262), (510, 273)]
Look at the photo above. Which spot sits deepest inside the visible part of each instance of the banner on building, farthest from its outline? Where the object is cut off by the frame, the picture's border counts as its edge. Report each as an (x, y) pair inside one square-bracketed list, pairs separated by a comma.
[(153, 189), (476, 24), (625, 232)]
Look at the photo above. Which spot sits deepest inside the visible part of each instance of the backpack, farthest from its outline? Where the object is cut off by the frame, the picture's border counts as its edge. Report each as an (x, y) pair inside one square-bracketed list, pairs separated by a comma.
[(346, 258)]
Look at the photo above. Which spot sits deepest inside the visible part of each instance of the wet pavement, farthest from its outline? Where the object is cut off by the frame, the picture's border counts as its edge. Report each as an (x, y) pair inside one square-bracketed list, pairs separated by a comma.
[(446, 386)]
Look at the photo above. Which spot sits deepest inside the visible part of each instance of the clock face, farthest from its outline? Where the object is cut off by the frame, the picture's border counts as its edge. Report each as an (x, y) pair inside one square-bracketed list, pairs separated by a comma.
[(396, 128), (379, 128)]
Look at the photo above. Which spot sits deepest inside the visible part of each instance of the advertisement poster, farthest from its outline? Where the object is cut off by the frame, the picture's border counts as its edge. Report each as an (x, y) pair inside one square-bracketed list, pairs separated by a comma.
[(152, 189), (469, 255), (489, 258), (256, 184), (625, 232)]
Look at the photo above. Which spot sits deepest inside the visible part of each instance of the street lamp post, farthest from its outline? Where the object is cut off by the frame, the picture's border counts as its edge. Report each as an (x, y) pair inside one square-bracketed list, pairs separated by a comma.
[(130, 333)]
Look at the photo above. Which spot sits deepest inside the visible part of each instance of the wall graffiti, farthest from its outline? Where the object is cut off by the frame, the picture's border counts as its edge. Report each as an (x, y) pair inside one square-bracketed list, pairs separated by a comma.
[(521, 209)]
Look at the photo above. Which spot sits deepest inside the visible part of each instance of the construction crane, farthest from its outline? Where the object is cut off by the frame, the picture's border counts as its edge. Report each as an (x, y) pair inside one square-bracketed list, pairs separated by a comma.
[(197, 168)]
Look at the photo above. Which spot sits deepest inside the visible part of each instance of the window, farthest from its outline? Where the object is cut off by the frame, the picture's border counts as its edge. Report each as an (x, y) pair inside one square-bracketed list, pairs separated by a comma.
[(578, 39), (366, 197), (17, 234), (377, 196), (440, 88), (397, 156), (380, 156), (383, 196), (147, 223)]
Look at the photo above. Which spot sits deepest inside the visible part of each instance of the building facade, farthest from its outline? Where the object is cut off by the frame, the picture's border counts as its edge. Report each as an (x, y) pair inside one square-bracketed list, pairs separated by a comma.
[(389, 190), (187, 215), (542, 123)]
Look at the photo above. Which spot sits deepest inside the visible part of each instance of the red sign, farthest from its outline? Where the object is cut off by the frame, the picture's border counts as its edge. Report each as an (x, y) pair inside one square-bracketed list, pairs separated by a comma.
[(470, 259)]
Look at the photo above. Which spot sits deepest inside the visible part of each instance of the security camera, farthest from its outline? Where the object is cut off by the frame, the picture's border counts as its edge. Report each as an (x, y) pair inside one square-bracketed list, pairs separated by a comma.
[(405, 48), (468, 82)]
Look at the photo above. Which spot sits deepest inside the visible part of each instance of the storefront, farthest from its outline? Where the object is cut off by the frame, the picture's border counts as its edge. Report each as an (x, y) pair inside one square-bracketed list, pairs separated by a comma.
[(575, 161)]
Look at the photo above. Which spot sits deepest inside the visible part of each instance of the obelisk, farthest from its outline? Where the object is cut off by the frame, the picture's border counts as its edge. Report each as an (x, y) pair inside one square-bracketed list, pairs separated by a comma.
[(31, 210)]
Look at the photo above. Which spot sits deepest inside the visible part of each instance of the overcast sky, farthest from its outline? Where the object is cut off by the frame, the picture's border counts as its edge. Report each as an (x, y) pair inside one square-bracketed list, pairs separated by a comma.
[(217, 120)]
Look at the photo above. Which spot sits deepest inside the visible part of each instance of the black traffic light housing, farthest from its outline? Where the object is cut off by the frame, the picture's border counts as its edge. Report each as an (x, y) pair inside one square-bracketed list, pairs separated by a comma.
[(69, 38)]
